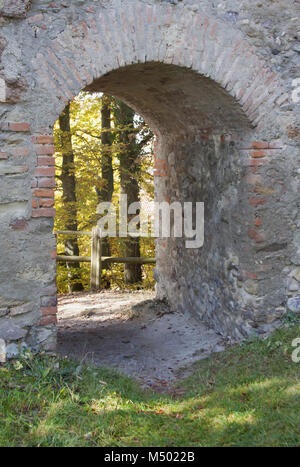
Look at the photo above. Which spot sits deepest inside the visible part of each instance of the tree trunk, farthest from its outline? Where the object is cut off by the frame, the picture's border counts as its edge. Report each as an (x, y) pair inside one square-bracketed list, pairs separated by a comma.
[(69, 197), (107, 173), (129, 178)]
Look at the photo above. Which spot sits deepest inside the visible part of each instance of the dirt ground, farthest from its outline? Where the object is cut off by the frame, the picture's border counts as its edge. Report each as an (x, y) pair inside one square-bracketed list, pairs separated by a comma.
[(134, 333)]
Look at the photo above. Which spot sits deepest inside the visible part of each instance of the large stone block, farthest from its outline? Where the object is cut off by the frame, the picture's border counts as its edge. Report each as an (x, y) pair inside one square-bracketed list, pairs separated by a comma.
[(9, 331), (293, 304), (14, 8)]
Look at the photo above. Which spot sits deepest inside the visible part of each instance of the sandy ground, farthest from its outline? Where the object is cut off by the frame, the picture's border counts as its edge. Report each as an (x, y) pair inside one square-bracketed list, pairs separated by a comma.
[(133, 332)]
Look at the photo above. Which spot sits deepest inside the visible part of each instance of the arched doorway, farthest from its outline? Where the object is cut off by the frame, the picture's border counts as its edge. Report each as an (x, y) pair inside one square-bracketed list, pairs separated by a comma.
[(218, 142)]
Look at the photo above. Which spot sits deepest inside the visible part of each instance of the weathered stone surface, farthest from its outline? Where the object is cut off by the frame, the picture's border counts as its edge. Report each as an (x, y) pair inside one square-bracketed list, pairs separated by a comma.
[(296, 274), (9, 302), (12, 170), (14, 89), (14, 8), (43, 334), (19, 310), (293, 304), (14, 350), (294, 286), (251, 287), (4, 312), (296, 259), (9, 331)]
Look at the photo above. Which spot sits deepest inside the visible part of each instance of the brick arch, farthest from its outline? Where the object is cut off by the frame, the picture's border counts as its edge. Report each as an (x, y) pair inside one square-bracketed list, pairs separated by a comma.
[(107, 40)]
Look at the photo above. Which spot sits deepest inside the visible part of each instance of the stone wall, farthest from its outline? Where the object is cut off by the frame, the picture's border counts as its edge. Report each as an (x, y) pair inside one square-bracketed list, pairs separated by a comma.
[(215, 83)]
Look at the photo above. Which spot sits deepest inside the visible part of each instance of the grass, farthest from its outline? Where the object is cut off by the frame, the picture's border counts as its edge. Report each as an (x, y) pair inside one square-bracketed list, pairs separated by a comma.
[(247, 396)]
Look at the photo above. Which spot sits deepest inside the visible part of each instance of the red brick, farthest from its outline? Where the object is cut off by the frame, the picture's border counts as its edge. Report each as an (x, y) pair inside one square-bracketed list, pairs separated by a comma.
[(46, 182), (45, 149), (257, 162), (43, 139), (160, 173), (20, 151), (251, 275), (35, 203), (46, 160), (258, 154), (44, 172), (22, 126), (258, 222), (160, 163), (51, 319), (49, 310), (255, 235), (34, 183), (260, 145), (46, 203), (44, 193), (43, 212), (19, 224), (254, 201), (16, 126), (53, 254)]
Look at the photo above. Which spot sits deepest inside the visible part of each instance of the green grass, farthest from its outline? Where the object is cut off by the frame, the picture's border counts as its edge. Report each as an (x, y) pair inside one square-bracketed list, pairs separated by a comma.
[(247, 396)]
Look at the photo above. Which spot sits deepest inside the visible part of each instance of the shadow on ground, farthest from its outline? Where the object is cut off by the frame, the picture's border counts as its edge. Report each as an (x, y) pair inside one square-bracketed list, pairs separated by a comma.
[(134, 333)]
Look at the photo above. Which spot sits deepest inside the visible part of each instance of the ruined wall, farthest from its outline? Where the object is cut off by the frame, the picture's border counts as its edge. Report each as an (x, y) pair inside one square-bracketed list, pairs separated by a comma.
[(215, 83)]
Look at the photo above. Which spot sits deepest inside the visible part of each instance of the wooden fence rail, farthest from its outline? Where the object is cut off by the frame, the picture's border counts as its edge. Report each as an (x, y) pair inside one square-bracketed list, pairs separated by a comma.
[(96, 259)]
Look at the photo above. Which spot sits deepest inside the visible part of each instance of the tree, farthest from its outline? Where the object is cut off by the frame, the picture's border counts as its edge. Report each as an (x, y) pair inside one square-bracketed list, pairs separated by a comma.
[(69, 197), (130, 172), (105, 193), (97, 143)]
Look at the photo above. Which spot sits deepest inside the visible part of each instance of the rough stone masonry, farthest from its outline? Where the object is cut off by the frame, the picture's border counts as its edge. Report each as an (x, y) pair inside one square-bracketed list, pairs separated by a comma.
[(216, 82)]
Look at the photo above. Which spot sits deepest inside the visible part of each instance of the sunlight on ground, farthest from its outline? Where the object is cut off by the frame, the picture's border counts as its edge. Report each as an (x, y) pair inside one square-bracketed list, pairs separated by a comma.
[(245, 396)]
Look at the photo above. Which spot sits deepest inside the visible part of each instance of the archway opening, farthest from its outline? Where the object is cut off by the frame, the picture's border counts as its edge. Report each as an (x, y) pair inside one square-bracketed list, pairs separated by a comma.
[(201, 132), (200, 136)]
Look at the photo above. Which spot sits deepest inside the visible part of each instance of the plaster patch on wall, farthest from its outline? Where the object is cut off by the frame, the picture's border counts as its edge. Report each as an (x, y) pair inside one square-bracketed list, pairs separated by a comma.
[(15, 209)]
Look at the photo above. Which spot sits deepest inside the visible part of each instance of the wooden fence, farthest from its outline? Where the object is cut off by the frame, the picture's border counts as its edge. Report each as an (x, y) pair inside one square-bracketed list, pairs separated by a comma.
[(96, 259)]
